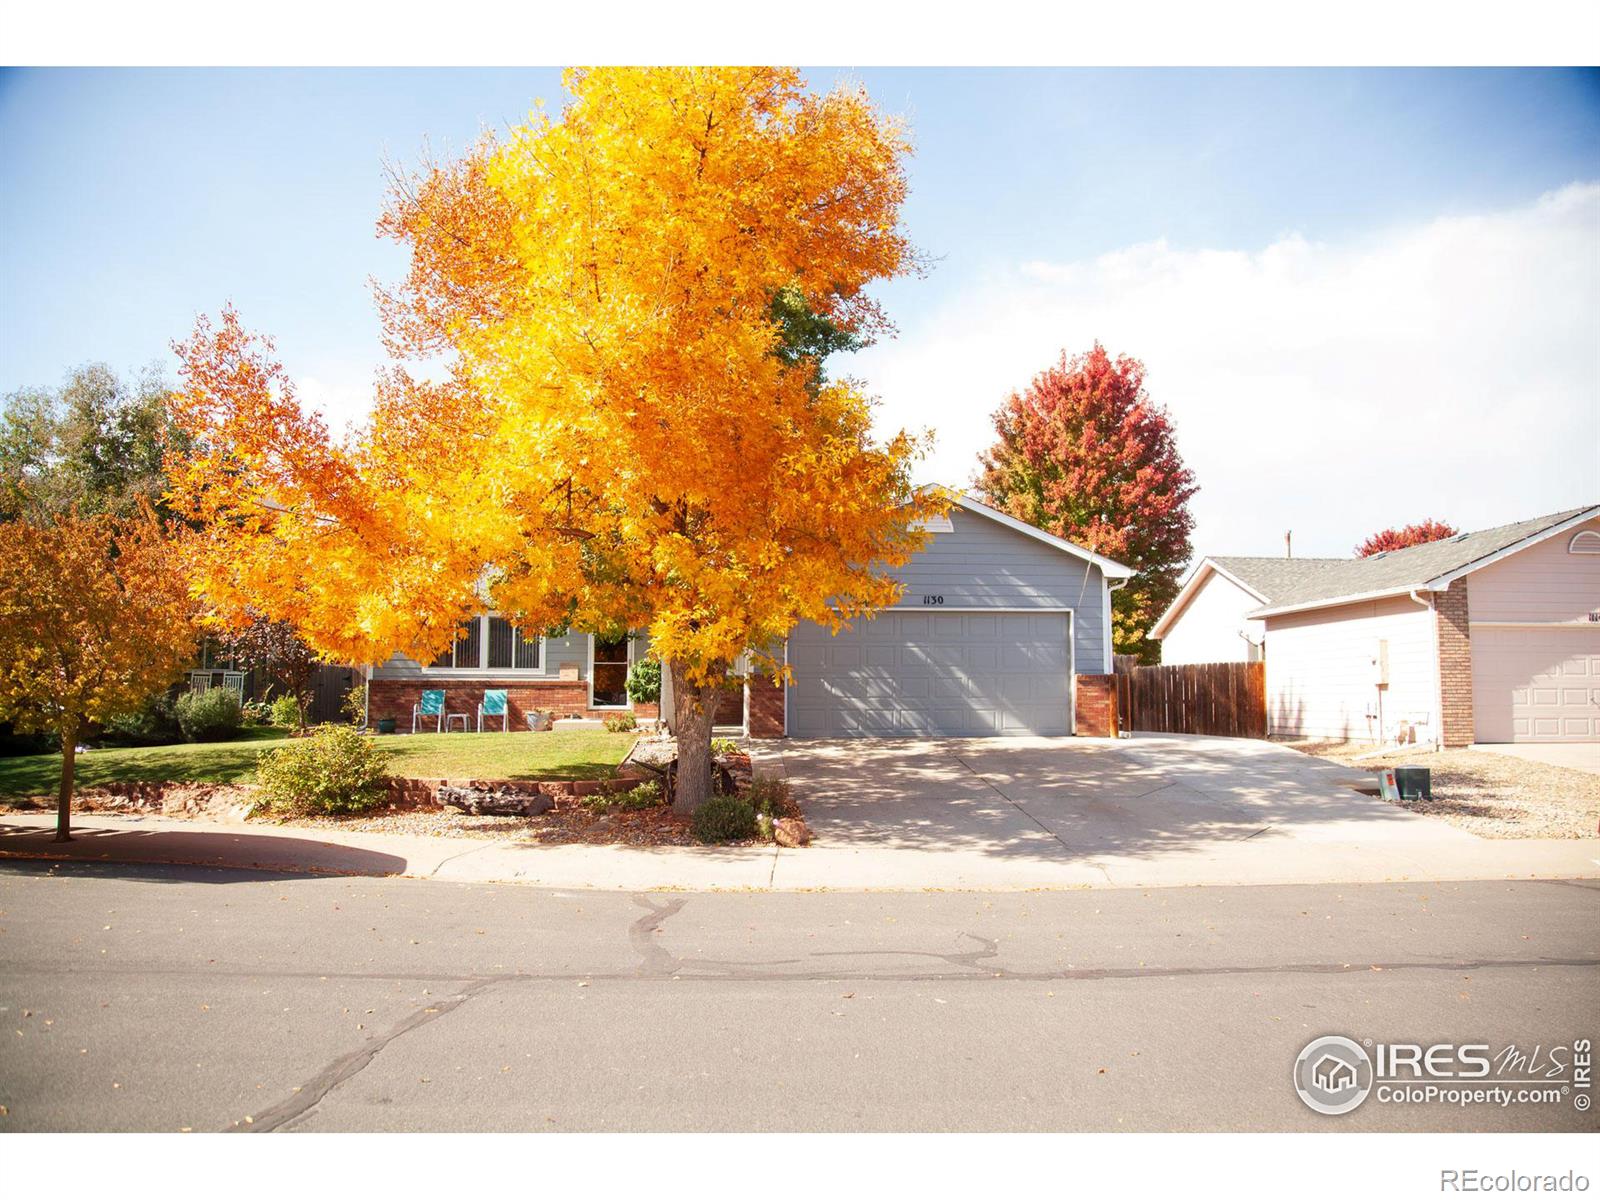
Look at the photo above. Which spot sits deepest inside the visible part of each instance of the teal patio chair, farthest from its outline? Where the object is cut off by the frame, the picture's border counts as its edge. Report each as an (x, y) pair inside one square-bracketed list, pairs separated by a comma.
[(494, 704), (431, 705)]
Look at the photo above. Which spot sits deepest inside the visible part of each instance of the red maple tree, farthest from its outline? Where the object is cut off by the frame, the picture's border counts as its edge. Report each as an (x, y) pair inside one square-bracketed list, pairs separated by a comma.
[(1085, 454), (1426, 530)]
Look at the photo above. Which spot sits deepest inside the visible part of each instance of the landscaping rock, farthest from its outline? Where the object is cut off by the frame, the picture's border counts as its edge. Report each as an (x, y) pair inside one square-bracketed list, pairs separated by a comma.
[(791, 832), (492, 801)]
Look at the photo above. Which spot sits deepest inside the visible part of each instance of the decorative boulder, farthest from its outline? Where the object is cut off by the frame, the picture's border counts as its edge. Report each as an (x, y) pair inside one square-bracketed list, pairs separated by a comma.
[(791, 831)]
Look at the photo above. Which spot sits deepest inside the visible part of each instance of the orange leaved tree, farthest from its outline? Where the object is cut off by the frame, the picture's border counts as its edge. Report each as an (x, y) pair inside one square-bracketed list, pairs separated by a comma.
[(95, 615), (636, 432)]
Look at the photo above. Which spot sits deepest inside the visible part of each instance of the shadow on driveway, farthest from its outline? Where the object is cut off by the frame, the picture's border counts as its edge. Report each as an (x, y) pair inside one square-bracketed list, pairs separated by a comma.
[(1079, 798)]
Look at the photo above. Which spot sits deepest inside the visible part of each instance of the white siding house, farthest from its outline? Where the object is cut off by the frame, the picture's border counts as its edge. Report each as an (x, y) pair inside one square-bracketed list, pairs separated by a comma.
[(1489, 636), (1354, 670), (1207, 623)]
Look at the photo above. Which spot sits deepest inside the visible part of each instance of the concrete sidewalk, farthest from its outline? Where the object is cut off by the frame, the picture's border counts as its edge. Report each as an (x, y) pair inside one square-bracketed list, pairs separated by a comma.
[(827, 865)]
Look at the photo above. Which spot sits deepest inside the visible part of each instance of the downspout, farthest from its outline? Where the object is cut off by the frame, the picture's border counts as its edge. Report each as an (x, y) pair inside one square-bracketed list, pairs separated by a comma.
[(1438, 677), (1110, 655)]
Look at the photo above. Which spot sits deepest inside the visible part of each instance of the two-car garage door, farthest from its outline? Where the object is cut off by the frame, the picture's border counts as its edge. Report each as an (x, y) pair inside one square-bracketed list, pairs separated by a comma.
[(908, 674), (1536, 685)]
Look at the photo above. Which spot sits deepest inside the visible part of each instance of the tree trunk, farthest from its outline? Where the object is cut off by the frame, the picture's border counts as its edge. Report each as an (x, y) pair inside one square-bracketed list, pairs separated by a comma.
[(694, 708), (69, 758)]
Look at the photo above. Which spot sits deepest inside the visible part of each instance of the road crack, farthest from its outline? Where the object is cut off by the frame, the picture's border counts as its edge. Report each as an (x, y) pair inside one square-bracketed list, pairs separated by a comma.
[(347, 1066)]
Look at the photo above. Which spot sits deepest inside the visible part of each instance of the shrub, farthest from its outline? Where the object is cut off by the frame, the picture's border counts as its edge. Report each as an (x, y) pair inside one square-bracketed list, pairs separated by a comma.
[(355, 705), (644, 681), (770, 799), (621, 723), (213, 715), (646, 795), (722, 747), (334, 770), (286, 712), (724, 819), (154, 723), (257, 712)]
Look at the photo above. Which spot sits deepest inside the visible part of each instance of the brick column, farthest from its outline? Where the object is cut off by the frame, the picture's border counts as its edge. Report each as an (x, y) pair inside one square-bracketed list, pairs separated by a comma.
[(1454, 639), (764, 718), (1094, 705)]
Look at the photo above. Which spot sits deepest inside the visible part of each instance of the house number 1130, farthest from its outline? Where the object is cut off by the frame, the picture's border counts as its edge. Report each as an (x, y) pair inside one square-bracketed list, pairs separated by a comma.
[(933, 599)]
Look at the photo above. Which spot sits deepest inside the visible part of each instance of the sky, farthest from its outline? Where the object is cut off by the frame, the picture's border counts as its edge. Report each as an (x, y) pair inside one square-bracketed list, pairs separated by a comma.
[(1366, 297)]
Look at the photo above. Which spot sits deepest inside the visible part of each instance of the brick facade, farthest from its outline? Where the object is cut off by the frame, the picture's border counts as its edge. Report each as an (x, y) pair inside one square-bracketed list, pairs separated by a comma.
[(394, 698), (1454, 638), (765, 708), (1094, 705)]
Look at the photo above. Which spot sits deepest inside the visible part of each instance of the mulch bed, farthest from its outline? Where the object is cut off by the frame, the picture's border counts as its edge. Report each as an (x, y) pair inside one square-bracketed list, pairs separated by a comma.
[(1490, 795), (569, 822)]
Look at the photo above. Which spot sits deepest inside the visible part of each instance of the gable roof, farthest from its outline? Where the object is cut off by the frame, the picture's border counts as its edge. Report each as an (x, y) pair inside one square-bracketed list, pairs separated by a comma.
[(1430, 567), (1109, 567), (1284, 585)]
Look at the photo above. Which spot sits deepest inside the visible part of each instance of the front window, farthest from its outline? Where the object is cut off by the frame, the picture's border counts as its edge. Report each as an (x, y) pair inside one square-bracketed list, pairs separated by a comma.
[(490, 642), (610, 672)]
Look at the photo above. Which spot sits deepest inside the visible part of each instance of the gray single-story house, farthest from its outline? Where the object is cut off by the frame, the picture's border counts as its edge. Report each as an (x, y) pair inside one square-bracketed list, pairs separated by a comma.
[(1002, 630)]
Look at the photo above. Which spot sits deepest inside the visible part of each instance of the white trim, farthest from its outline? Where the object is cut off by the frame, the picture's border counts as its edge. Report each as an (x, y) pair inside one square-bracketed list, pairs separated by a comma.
[(627, 705), (1072, 672), (955, 608), (1191, 585), (1107, 566), (1335, 601)]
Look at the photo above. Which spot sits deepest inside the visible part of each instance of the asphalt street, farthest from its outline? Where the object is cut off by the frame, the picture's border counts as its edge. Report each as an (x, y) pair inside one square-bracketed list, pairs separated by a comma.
[(188, 998)]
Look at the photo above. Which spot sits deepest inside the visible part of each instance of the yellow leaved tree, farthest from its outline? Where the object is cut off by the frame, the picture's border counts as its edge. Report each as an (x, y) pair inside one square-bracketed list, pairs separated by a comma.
[(95, 616), (634, 300)]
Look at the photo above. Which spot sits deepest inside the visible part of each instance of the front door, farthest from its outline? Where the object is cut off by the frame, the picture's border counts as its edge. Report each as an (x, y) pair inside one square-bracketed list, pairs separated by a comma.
[(610, 675)]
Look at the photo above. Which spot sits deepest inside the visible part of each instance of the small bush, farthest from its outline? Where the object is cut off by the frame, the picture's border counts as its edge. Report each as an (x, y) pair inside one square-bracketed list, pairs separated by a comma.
[(722, 747), (646, 795), (621, 723), (724, 819), (286, 712), (257, 712), (213, 715), (334, 770), (644, 681), (154, 723), (355, 705), (771, 800)]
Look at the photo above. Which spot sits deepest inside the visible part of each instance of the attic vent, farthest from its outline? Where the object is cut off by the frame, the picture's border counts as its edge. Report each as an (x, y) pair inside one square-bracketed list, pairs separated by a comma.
[(1378, 555), (1585, 541), (1461, 537)]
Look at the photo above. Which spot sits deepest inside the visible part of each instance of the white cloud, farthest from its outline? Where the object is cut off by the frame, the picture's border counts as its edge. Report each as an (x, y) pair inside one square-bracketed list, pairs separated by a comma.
[(1448, 370)]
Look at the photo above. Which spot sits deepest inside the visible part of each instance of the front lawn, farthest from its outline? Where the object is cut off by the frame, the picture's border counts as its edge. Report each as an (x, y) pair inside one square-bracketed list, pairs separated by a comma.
[(573, 754), (563, 754), (198, 762)]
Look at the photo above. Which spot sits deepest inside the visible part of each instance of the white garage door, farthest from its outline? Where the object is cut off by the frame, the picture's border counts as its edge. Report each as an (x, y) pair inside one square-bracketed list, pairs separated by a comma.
[(1536, 685), (944, 674)]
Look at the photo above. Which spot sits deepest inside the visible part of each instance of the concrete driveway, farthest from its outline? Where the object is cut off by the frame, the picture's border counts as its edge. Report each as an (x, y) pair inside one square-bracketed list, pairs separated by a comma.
[(1576, 756), (1153, 809)]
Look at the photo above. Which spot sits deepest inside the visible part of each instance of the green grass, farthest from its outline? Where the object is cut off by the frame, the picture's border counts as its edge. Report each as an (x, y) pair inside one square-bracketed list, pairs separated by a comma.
[(199, 762), (568, 754), (574, 754)]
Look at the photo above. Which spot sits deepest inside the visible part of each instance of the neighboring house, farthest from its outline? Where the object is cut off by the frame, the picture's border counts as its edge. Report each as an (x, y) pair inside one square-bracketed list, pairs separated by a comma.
[(1492, 636), (1002, 630)]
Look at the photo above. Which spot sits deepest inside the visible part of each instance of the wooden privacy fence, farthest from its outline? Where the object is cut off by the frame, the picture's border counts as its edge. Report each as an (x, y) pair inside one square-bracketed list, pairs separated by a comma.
[(1220, 699)]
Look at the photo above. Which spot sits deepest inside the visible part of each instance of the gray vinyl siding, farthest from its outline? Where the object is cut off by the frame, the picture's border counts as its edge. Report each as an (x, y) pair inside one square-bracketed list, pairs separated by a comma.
[(983, 564), (571, 650)]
